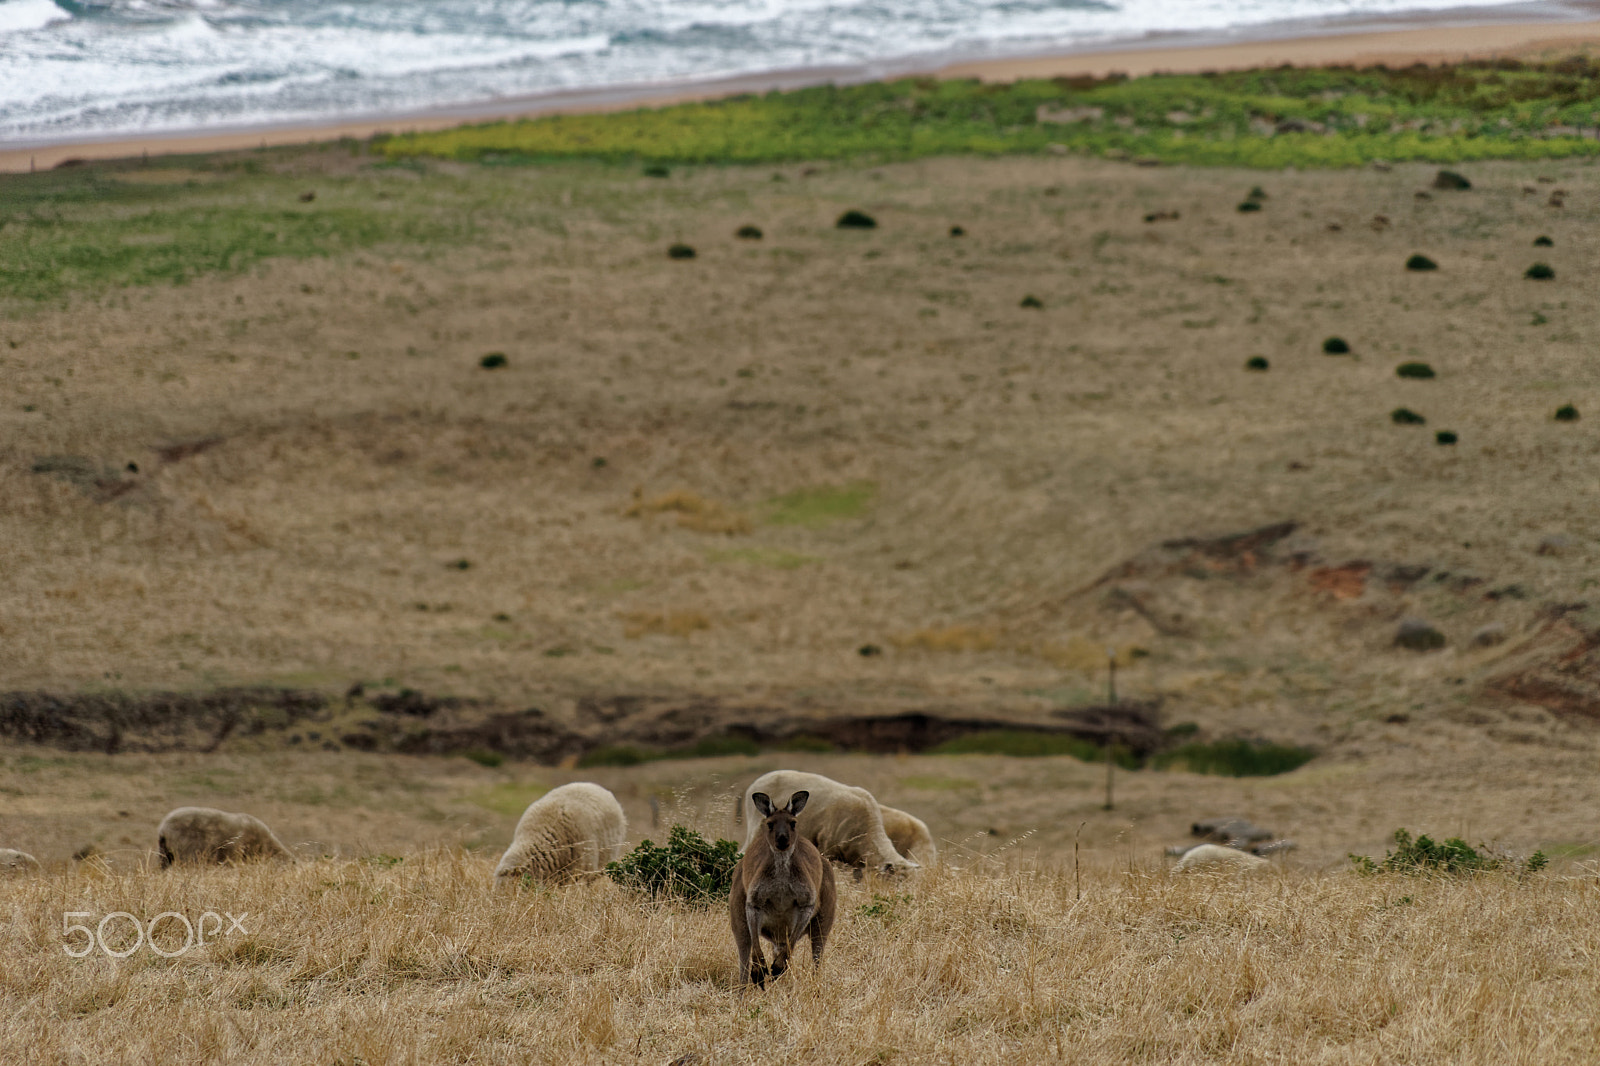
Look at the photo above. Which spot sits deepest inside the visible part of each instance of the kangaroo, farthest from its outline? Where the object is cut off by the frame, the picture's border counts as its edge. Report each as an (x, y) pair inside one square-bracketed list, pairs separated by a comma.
[(782, 889)]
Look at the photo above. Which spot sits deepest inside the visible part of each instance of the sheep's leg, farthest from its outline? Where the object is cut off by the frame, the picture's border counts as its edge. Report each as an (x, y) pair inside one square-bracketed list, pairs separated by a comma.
[(754, 961)]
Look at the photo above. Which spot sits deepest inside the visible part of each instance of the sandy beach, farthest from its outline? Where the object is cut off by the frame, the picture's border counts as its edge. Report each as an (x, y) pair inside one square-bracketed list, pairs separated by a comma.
[(1432, 44)]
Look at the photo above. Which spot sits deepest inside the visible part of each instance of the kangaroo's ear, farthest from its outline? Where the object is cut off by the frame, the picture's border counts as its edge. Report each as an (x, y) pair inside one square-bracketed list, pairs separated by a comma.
[(763, 803), (797, 802)]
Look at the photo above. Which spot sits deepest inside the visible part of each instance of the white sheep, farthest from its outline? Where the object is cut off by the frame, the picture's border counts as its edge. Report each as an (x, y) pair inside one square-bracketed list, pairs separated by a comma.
[(568, 832), (1216, 857), (909, 835), (844, 822), (204, 834), (13, 861)]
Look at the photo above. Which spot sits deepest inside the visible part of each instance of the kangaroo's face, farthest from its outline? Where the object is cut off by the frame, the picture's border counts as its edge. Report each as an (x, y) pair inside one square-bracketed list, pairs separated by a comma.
[(780, 821)]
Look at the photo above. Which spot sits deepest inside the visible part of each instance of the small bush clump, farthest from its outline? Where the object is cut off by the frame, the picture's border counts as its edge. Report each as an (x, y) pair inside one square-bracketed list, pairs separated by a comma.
[(1256, 362), (1335, 346), (1566, 413), (1540, 272), (1405, 416), (854, 219), (1235, 758), (493, 361), (749, 233), (1418, 371), (1421, 262), (1543, 242), (689, 868), (957, 231), (656, 170), (1449, 179), (680, 251), (1444, 436), (1249, 205), (1032, 302), (1424, 855)]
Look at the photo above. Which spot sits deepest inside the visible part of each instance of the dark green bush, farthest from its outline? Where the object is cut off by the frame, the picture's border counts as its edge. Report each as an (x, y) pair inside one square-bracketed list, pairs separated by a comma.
[(957, 231), (1540, 272), (689, 868), (1031, 301), (490, 759), (1423, 855), (1235, 758), (1421, 262), (1249, 205), (1256, 193), (460, 564), (1543, 242), (1335, 346), (1419, 371), (854, 219), (1405, 416), (680, 251), (749, 233), (493, 361), (1449, 179), (1256, 362), (1566, 413), (1444, 436), (656, 170)]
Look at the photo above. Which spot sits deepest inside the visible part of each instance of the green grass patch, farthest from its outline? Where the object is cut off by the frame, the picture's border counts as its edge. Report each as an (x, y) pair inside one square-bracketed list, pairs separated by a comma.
[(820, 505), (1317, 116), (508, 799), (1234, 758)]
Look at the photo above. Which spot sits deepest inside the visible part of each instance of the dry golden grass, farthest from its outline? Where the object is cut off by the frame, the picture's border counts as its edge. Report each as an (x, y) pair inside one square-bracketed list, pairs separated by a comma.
[(694, 512), (422, 961)]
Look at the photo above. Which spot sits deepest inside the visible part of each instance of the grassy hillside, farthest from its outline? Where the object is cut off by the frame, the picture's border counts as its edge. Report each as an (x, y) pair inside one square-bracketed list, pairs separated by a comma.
[(1323, 117)]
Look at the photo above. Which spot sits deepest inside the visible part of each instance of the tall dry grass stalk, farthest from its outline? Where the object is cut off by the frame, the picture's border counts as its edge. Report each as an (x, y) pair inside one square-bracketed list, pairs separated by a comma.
[(423, 962)]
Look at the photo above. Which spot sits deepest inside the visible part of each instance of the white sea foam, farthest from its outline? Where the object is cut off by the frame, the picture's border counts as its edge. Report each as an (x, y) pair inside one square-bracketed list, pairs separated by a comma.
[(131, 66), (29, 15)]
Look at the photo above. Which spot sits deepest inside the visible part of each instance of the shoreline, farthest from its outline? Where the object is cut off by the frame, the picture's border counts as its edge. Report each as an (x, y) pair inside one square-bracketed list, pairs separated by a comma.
[(1368, 44)]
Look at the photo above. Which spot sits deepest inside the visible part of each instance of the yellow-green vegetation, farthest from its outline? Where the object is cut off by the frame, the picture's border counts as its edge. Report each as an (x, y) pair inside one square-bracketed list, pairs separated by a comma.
[(1328, 116), (820, 505), (1005, 961), (508, 798)]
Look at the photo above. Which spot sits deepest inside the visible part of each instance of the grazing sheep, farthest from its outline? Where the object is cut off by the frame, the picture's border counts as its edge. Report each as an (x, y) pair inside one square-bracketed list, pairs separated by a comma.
[(844, 822), (568, 832), (909, 835), (13, 861), (1217, 857), (203, 834), (782, 890)]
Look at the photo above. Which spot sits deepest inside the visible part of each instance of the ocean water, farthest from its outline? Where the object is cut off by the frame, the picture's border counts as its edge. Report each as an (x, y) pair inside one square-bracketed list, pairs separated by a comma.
[(78, 69)]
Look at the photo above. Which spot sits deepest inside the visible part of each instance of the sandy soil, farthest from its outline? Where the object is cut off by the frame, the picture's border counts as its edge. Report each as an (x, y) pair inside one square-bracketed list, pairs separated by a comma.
[(1433, 44)]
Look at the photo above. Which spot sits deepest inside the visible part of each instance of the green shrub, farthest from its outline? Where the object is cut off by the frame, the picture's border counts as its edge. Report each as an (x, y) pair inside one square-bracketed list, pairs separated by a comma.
[(1255, 362), (1543, 242), (1418, 371), (1449, 179), (1405, 416), (1540, 272), (1249, 205), (854, 219), (689, 868), (1566, 413), (1444, 436), (1421, 262), (1235, 758), (680, 251), (1335, 346), (749, 233), (1256, 193), (656, 170), (957, 231), (1031, 301), (1423, 855), (493, 361), (490, 759)]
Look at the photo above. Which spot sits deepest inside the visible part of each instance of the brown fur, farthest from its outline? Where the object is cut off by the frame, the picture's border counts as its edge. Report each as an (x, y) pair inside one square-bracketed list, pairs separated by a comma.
[(782, 889)]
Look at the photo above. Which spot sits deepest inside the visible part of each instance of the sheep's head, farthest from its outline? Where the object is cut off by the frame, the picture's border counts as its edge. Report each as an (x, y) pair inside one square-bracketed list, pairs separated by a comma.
[(780, 820)]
